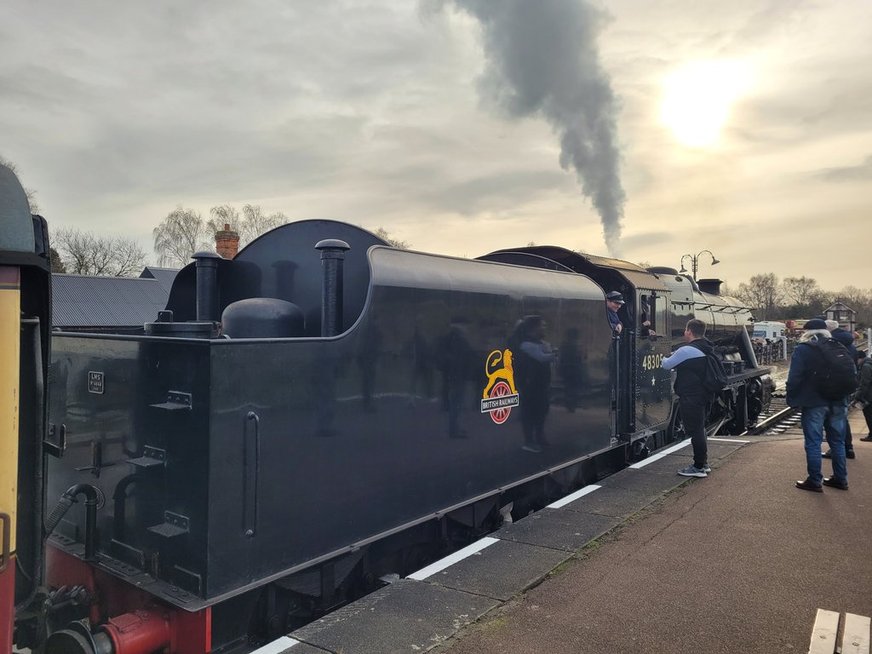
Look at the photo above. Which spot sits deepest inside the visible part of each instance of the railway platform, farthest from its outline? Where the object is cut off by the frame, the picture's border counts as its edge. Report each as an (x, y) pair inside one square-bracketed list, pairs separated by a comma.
[(645, 561)]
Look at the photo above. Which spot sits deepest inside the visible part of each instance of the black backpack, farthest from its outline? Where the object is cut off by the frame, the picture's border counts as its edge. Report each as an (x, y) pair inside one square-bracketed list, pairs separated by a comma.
[(715, 379), (835, 375)]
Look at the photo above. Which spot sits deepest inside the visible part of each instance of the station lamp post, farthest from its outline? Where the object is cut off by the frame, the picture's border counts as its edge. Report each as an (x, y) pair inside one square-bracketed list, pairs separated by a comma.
[(694, 261)]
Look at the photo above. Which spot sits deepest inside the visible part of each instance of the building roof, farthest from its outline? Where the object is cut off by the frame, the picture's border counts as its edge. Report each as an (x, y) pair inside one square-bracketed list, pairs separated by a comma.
[(838, 305), (164, 276), (80, 301)]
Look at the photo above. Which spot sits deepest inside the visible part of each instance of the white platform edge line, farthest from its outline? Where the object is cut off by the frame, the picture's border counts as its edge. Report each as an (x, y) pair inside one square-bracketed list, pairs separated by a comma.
[(451, 559), (660, 455), (563, 501), (728, 440), (277, 646)]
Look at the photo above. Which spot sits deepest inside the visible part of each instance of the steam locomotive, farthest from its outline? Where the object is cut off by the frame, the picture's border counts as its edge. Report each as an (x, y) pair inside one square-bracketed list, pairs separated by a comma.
[(324, 410)]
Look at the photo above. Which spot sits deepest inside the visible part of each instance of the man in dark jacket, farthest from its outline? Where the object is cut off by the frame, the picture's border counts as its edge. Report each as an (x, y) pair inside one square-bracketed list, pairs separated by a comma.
[(533, 377), (846, 338), (614, 301), (817, 412), (689, 364), (864, 392), (843, 336)]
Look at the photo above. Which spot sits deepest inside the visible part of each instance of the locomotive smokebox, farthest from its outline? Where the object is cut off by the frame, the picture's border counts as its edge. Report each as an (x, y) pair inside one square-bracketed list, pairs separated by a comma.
[(207, 285), (332, 257), (262, 317)]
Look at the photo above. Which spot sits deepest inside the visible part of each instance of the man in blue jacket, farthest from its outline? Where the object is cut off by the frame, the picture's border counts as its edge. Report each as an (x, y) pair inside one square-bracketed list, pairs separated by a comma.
[(817, 412), (846, 338), (689, 363)]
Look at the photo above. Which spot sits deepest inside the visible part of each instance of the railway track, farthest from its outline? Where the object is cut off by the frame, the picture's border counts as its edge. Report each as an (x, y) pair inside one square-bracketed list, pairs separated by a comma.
[(776, 420)]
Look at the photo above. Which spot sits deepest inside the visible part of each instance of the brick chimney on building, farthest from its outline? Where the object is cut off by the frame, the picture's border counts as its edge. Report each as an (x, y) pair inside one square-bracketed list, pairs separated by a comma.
[(226, 242)]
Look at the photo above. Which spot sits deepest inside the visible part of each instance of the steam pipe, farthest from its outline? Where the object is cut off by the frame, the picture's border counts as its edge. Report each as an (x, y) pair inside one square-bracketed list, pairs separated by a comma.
[(120, 498), (207, 286), (332, 258), (93, 500)]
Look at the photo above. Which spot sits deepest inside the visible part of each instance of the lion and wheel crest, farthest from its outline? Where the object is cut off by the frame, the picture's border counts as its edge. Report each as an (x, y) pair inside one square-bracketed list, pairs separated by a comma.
[(500, 394)]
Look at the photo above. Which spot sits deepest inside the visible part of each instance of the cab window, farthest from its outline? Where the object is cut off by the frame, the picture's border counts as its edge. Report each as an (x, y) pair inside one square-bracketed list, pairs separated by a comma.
[(647, 315)]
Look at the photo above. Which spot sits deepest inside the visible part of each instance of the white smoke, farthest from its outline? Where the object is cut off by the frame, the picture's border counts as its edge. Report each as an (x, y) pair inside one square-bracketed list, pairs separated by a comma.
[(542, 59)]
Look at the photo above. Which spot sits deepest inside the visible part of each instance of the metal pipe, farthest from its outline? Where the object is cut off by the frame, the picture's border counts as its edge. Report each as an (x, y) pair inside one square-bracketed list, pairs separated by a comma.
[(120, 504), (207, 285), (332, 258), (93, 500), (748, 349)]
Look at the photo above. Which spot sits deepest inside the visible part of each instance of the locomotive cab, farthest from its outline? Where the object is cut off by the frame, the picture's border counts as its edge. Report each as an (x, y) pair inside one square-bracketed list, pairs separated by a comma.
[(641, 389)]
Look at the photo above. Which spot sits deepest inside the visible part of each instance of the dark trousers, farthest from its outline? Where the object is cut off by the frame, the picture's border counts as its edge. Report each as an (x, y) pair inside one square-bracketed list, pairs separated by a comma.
[(534, 409), (867, 413), (849, 438), (693, 409)]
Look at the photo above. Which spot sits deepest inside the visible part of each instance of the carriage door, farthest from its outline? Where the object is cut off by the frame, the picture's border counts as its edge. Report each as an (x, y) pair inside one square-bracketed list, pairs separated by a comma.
[(652, 383)]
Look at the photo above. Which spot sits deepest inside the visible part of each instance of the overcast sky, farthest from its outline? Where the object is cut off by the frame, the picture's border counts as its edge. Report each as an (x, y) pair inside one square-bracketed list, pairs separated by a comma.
[(649, 130)]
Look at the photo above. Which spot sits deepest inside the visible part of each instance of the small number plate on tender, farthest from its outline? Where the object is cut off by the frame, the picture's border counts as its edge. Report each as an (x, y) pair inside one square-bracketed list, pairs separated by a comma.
[(95, 382)]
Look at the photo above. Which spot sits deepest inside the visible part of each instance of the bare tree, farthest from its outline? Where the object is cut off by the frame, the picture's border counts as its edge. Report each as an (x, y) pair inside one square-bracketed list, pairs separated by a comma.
[(222, 215), (800, 290), (31, 194), (182, 233), (252, 223), (83, 253), (382, 233), (57, 266), (761, 292), (817, 302), (255, 222), (854, 297)]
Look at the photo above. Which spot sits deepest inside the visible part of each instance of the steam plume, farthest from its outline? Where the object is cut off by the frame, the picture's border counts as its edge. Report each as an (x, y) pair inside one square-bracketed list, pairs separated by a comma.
[(542, 58)]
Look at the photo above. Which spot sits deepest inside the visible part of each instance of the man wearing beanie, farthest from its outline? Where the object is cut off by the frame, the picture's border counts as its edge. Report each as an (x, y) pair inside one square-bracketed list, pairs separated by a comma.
[(817, 412), (846, 338)]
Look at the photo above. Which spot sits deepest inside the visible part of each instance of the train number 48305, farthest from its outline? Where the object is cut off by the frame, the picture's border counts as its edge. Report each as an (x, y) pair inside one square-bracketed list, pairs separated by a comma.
[(651, 361)]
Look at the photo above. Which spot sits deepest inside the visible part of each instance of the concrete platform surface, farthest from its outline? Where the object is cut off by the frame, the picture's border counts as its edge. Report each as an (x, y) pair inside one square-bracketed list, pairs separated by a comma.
[(644, 561), (737, 562)]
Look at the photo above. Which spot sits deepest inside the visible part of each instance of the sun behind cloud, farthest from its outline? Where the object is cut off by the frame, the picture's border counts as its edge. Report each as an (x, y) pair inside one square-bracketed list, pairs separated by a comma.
[(697, 99)]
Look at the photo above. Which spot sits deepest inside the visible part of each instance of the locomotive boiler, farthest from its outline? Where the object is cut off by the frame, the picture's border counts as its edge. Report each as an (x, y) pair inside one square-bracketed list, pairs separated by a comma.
[(324, 410)]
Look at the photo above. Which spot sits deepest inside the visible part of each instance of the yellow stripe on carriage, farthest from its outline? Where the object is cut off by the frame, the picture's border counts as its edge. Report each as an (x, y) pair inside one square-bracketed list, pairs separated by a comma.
[(10, 345)]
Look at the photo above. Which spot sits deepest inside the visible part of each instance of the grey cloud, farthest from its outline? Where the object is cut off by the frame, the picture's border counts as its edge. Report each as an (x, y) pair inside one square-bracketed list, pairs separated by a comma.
[(847, 173), (771, 17), (493, 193)]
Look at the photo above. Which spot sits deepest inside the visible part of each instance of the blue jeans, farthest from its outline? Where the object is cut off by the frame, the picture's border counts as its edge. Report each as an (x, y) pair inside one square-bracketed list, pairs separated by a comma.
[(834, 416)]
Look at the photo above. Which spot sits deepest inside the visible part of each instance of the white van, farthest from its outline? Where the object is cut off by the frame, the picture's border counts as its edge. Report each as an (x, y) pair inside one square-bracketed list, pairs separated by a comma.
[(769, 331)]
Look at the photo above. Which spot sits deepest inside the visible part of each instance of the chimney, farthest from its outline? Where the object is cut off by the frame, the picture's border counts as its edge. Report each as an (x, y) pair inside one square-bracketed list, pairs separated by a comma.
[(227, 242)]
